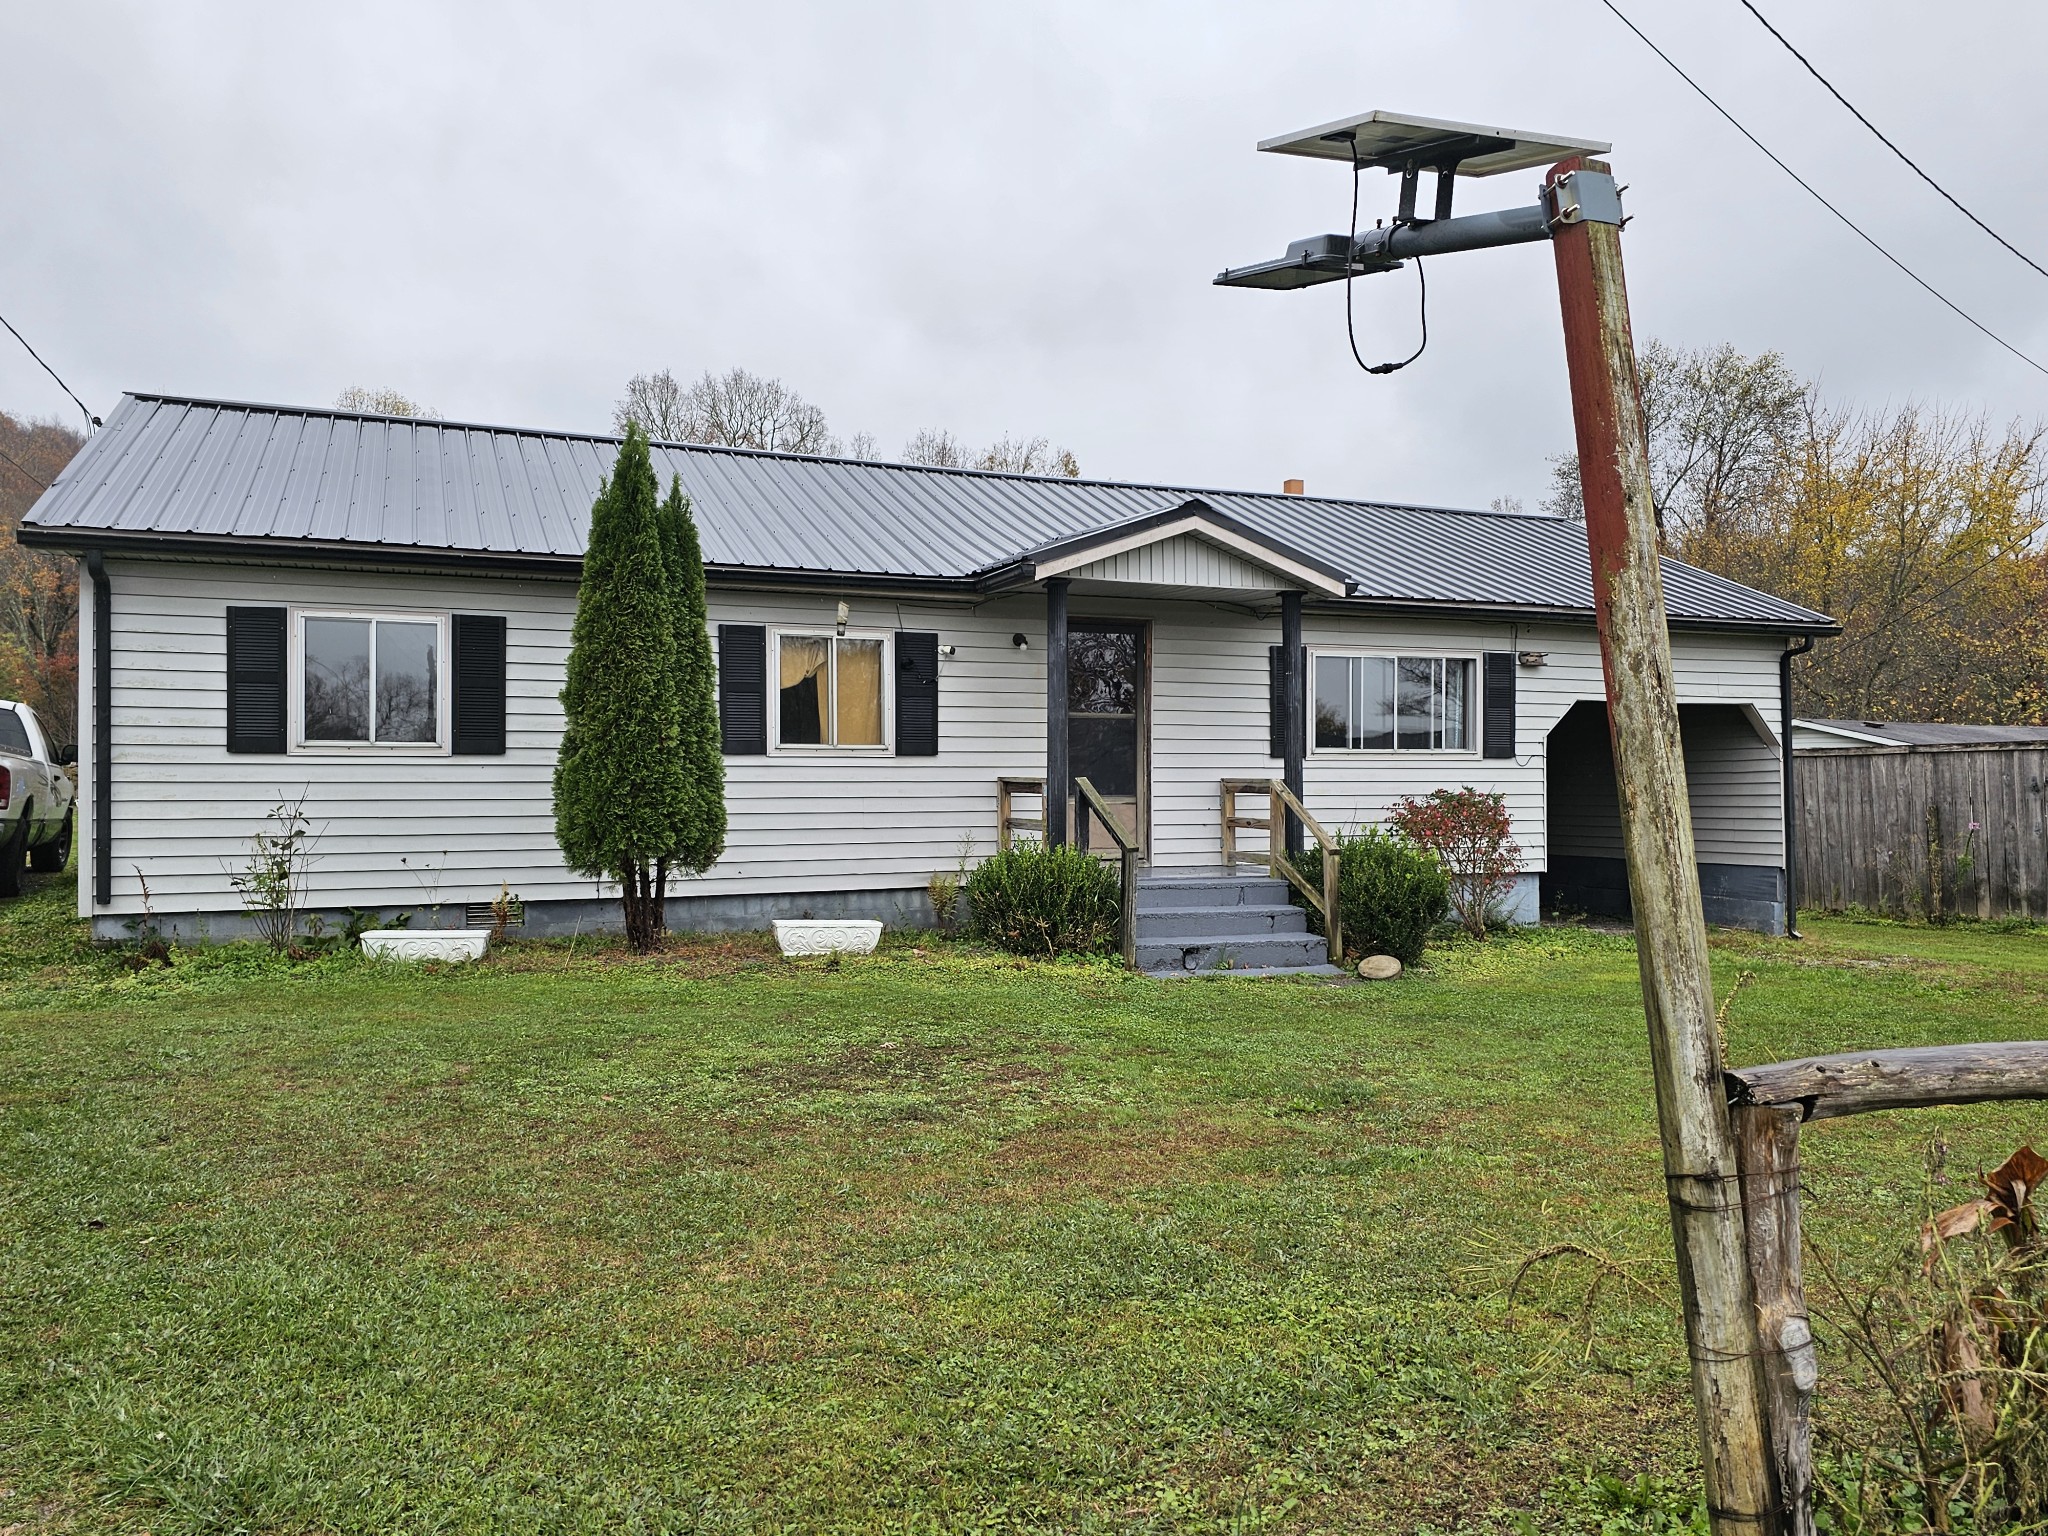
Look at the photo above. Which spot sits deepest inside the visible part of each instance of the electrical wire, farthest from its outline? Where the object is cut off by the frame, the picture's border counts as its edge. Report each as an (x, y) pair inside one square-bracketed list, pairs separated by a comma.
[(91, 420), (1854, 227), (1887, 143), (1422, 282)]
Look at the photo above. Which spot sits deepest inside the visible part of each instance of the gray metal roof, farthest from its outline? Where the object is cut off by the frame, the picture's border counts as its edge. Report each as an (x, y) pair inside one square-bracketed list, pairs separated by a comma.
[(263, 477), (1908, 733)]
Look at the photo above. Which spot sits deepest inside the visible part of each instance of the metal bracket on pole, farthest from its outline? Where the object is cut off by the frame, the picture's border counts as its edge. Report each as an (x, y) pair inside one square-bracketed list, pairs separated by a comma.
[(1584, 197)]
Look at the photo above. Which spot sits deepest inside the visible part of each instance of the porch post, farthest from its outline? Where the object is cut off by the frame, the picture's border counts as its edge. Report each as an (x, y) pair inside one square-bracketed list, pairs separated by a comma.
[(1057, 775), (1292, 712)]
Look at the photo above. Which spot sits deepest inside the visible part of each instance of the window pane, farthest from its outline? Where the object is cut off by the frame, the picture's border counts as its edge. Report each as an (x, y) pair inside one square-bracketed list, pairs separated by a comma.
[(860, 693), (1417, 724), (1457, 705), (805, 681), (337, 680), (407, 709), (13, 734), (1102, 672), (1373, 724), (1333, 701)]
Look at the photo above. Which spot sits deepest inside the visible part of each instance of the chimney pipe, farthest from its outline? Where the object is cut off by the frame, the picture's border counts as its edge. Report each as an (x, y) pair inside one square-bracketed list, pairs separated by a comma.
[(1293, 487)]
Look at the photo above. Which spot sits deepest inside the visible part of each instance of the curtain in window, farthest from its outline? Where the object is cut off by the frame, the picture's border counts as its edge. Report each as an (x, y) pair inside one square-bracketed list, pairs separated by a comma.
[(805, 685), (860, 693)]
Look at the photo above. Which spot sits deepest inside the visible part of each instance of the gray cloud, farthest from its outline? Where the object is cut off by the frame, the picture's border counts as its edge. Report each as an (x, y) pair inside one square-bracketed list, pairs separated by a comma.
[(986, 218)]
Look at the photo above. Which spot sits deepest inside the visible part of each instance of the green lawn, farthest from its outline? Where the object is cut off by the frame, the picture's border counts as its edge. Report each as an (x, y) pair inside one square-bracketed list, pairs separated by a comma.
[(933, 1241)]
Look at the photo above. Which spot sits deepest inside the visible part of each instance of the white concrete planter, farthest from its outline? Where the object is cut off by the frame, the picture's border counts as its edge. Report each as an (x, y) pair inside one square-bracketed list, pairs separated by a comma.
[(827, 936), (428, 944)]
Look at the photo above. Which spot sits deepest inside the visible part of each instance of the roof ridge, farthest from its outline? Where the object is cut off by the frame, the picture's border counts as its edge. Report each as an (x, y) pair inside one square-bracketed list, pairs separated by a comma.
[(344, 413)]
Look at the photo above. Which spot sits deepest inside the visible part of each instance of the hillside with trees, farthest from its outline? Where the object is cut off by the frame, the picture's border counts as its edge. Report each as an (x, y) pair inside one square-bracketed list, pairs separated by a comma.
[(1921, 529), (38, 591)]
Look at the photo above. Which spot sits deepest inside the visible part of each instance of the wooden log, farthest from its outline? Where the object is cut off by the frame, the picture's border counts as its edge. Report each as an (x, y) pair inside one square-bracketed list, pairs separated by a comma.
[(1664, 890), (1857, 1082), (1767, 1153)]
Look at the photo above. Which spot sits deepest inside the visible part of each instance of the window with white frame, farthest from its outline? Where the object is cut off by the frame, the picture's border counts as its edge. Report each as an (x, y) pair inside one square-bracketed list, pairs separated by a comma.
[(1393, 703), (372, 680), (831, 690)]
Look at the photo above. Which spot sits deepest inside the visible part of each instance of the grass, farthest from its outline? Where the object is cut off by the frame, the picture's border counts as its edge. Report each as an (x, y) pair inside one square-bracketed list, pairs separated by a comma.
[(935, 1241)]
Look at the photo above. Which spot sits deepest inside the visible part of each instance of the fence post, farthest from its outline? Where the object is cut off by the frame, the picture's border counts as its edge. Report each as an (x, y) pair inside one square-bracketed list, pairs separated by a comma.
[(1130, 908), (1767, 1153)]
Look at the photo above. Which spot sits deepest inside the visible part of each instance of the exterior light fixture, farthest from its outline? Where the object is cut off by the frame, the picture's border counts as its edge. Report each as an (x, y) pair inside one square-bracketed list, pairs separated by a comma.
[(1020, 642), (845, 613), (1532, 658)]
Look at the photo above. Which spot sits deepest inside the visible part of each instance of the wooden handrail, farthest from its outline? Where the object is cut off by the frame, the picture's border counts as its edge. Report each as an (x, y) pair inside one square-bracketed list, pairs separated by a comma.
[(1127, 845), (1280, 801), (1008, 821)]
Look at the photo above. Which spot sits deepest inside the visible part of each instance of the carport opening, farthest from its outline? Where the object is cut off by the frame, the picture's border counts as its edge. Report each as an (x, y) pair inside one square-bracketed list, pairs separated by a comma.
[(1734, 783)]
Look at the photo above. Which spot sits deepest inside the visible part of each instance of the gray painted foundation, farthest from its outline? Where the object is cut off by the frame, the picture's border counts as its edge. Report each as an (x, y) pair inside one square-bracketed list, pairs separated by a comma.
[(564, 919), (1734, 895)]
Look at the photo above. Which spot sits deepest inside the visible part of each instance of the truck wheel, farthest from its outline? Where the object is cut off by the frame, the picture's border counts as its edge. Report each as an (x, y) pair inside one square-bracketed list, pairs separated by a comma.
[(51, 858), (14, 855)]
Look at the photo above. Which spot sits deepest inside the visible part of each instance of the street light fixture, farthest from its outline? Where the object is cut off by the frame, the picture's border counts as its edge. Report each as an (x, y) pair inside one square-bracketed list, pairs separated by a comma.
[(1753, 1483)]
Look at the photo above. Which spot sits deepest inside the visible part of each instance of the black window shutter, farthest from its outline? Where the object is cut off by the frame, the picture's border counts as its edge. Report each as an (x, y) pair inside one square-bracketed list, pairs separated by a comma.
[(256, 679), (743, 689), (1276, 699), (477, 657), (917, 694), (1497, 732)]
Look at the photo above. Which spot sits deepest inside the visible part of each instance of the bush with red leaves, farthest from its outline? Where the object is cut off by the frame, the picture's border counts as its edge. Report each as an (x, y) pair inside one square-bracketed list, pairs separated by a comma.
[(1469, 832)]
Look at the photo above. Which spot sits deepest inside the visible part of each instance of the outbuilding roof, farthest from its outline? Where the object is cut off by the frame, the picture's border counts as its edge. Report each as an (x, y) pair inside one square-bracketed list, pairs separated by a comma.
[(1917, 733), (188, 475)]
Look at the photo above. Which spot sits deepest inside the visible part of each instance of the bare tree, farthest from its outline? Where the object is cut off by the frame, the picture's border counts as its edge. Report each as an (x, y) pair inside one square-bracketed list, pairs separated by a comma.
[(383, 402), (657, 402), (1030, 456), (736, 410), (936, 447), (1720, 427)]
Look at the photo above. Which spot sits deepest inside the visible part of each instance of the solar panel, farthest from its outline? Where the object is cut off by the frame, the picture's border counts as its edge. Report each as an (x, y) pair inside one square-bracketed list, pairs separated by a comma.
[(1393, 140)]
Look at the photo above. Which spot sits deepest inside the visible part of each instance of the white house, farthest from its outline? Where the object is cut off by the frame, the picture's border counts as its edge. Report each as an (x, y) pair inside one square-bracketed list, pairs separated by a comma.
[(373, 613)]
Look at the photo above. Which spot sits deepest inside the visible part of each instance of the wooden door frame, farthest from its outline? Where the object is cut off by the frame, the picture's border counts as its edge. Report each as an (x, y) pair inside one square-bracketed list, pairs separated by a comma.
[(1143, 627)]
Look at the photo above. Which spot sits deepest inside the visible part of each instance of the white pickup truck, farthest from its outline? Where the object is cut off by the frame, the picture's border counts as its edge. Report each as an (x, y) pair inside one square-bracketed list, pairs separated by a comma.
[(36, 794)]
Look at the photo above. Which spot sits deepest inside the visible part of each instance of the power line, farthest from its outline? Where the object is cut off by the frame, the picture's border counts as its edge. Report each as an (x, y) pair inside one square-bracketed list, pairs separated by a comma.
[(1855, 228), (1888, 144), (92, 421)]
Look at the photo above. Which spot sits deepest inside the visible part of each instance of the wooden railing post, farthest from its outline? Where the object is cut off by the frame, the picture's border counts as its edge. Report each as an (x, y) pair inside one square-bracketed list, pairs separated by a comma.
[(1229, 825), (1767, 1155), (1333, 914), (1127, 849), (1003, 812), (1276, 833)]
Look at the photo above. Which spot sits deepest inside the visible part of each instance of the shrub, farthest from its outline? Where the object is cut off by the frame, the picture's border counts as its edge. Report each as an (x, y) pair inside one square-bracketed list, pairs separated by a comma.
[(1032, 899), (1390, 893), (1469, 832)]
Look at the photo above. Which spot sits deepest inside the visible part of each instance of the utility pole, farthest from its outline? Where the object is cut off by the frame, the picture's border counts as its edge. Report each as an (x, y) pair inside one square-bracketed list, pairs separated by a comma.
[(1579, 211), (1700, 1175)]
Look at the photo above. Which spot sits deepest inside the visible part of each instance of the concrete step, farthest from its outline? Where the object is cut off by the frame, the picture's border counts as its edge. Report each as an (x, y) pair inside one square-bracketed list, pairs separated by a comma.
[(1235, 951), (1159, 893), (1169, 924)]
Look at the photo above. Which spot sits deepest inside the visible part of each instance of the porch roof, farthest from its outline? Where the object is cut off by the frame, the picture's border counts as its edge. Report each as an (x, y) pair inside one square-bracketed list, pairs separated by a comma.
[(184, 475)]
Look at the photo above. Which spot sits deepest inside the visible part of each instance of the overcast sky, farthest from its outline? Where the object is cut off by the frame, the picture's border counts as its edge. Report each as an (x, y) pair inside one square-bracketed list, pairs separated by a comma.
[(990, 218)]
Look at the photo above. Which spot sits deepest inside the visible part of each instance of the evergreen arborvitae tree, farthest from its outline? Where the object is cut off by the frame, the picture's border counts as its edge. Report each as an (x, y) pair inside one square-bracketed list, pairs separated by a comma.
[(618, 779), (700, 816)]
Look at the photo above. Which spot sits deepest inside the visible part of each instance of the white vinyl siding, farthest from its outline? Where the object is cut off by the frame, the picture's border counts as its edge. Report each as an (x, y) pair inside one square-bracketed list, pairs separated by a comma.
[(184, 808), (1181, 561)]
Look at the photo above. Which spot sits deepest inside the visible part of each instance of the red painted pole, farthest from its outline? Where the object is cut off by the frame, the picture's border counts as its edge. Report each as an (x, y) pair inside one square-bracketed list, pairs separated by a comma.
[(1700, 1171)]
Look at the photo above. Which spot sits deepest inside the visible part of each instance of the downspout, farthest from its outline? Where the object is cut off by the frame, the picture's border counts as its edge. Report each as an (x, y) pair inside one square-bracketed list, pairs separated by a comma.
[(102, 730), (1790, 792)]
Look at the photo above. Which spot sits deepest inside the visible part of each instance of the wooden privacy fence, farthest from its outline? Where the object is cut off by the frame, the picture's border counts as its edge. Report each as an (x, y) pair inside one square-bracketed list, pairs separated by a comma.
[(1929, 832)]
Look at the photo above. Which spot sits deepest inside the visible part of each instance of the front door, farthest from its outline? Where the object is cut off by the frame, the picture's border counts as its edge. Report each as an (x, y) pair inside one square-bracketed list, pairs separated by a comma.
[(1107, 727)]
